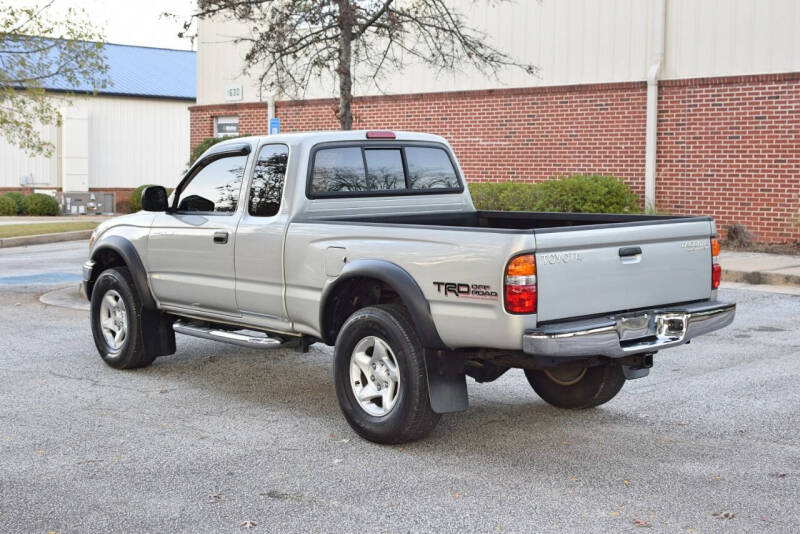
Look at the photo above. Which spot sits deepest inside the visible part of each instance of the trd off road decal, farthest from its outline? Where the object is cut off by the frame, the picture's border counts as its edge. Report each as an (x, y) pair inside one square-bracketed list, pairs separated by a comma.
[(466, 291)]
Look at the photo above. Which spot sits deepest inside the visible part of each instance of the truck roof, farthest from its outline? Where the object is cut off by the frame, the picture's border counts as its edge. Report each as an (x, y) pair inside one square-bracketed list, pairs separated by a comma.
[(312, 138)]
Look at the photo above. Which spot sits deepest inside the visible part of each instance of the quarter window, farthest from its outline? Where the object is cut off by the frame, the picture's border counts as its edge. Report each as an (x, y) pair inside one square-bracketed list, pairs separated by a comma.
[(266, 187), (215, 188)]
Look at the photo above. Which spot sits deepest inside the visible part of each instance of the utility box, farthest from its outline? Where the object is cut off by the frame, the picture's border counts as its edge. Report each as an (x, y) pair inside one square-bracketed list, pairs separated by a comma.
[(90, 203)]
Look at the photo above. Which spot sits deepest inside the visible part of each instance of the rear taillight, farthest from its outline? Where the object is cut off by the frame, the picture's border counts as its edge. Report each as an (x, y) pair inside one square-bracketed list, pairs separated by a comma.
[(716, 269), (520, 284)]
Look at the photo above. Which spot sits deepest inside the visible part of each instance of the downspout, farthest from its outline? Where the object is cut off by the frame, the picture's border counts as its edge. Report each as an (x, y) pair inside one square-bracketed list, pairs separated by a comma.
[(658, 30), (271, 106)]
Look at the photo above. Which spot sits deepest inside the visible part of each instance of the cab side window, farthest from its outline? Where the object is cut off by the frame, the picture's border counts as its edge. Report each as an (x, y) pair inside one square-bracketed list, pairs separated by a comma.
[(215, 188), (269, 174)]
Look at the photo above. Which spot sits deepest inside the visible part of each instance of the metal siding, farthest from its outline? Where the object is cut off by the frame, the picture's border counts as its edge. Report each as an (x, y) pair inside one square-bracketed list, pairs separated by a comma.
[(707, 38), (131, 142), (15, 163), (134, 141), (572, 41), (563, 38)]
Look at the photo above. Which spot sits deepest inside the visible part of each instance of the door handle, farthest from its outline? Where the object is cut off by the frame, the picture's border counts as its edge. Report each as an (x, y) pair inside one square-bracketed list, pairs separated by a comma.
[(629, 251), (220, 238)]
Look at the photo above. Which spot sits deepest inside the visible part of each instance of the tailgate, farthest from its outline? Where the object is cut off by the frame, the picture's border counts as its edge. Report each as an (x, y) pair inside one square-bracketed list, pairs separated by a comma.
[(609, 268)]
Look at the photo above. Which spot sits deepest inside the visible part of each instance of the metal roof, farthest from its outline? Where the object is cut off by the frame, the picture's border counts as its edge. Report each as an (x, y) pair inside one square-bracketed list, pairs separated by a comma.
[(143, 71)]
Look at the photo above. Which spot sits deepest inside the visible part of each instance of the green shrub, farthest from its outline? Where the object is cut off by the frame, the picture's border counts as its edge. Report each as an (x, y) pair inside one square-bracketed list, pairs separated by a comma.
[(583, 193), (207, 143), (18, 199), (587, 193), (7, 206), (39, 204), (504, 196)]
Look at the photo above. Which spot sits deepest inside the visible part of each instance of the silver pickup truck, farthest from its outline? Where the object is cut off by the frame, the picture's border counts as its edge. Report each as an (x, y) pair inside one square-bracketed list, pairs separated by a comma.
[(369, 241)]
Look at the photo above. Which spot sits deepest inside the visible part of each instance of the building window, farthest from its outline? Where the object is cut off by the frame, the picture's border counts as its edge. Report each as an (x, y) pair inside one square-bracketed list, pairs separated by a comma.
[(226, 126)]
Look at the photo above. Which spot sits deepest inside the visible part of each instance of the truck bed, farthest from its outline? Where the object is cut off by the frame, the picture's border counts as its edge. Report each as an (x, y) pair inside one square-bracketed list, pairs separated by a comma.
[(519, 220), (588, 263)]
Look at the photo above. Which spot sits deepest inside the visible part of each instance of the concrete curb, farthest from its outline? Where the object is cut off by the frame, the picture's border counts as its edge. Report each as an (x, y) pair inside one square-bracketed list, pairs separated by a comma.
[(41, 239), (67, 297), (761, 277)]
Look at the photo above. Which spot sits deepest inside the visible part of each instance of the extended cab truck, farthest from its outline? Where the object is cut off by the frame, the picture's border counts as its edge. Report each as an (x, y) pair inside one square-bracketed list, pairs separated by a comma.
[(369, 241)]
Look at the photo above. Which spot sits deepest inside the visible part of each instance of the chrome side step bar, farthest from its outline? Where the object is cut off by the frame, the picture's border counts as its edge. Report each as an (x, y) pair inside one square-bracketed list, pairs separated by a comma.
[(226, 336)]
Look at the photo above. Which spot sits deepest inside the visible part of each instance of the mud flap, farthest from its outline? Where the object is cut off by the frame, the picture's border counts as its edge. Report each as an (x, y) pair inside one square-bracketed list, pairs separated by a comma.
[(157, 334), (447, 381)]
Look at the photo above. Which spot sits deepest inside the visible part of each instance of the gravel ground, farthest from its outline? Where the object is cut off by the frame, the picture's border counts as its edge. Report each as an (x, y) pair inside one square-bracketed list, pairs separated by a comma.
[(216, 435)]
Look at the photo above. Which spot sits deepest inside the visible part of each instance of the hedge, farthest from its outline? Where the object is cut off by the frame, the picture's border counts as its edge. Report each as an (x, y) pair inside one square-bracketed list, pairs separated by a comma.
[(582, 193), (39, 204), (18, 199), (7, 206)]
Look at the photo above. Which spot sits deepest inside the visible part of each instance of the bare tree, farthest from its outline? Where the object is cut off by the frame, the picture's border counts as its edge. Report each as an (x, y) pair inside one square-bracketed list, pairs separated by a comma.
[(40, 50), (292, 42)]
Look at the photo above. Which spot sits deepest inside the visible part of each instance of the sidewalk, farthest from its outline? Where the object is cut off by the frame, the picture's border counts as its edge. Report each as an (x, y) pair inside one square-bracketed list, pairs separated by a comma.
[(59, 218), (760, 268)]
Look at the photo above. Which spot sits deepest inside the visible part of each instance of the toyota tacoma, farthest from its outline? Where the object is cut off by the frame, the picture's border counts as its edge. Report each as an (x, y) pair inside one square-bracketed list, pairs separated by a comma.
[(368, 241)]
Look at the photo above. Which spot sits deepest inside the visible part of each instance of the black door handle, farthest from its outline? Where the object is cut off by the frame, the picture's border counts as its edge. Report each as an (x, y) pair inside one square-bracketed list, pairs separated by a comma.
[(629, 251), (220, 238)]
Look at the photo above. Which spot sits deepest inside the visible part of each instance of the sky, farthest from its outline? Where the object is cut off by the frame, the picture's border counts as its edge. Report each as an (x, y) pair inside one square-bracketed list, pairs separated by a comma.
[(137, 22)]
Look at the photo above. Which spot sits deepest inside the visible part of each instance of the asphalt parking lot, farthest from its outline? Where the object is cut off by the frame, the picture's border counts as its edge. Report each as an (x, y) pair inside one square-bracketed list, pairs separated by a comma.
[(216, 435)]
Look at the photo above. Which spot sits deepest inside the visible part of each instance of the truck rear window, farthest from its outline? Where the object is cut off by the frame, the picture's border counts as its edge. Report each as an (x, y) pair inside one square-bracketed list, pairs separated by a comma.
[(371, 169)]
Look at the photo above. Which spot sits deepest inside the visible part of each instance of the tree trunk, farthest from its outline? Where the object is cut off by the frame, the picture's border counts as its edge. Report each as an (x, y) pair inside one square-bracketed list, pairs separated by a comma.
[(346, 16)]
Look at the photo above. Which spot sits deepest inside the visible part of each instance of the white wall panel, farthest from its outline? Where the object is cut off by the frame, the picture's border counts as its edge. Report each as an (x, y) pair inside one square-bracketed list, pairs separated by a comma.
[(75, 147), (130, 142), (16, 164), (708, 38), (573, 41), (134, 141)]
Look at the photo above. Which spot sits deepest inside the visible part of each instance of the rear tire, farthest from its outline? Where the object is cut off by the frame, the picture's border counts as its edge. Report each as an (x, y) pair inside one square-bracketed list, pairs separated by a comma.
[(576, 387), (116, 317), (379, 356)]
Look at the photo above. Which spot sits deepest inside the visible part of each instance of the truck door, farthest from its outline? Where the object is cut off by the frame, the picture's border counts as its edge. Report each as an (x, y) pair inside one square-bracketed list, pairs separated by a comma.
[(259, 241), (190, 251)]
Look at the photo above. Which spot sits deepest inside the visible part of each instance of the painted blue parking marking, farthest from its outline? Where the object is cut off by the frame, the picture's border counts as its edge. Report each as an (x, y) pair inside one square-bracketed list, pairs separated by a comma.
[(41, 278)]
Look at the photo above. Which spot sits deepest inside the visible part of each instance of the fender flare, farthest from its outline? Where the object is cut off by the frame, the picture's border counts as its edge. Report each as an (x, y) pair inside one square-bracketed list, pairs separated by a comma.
[(130, 256), (401, 282), (447, 387)]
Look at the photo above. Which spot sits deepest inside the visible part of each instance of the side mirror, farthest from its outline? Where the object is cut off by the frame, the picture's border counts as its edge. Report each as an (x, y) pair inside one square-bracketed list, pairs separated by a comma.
[(154, 198)]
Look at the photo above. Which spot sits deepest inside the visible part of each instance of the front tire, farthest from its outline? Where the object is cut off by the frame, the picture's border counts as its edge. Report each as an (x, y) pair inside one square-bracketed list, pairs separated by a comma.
[(116, 317), (576, 387), (380, 376)]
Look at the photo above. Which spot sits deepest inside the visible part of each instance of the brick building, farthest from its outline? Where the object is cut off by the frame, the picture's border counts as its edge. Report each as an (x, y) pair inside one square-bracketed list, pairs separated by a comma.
[(695, 104)]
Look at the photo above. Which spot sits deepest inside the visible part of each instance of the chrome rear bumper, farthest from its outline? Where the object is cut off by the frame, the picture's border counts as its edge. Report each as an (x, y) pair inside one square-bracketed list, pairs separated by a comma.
[(627, 334)]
